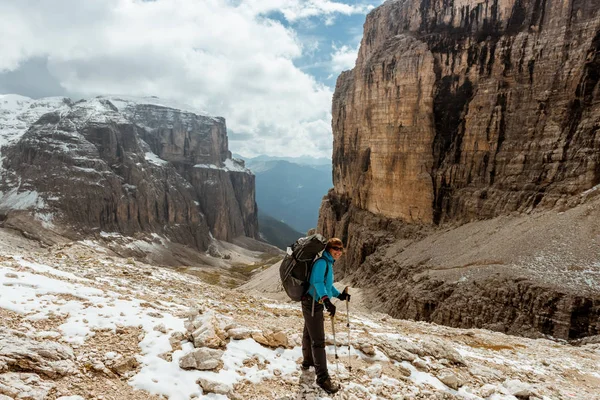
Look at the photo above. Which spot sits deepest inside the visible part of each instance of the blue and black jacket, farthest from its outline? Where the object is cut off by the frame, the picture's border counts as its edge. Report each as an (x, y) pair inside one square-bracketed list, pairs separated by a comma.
[(321, 278)]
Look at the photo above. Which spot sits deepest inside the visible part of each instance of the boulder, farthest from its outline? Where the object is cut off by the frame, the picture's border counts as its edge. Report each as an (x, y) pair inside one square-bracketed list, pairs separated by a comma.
[(239, 333), (121, 365), (175, 340), (519, 389), (421, 365), (271, 338), (48, 357), (367, 348), (398, 350), (24, 386), (202, 359), (487, 390), (214, 386), (209, 333), (440, 350), (374, 371), (449, 379)]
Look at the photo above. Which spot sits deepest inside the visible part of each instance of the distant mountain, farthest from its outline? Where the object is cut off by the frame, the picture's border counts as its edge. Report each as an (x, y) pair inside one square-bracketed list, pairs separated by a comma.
[(303, 160), (276, 232), (122, 164), (290, 192)]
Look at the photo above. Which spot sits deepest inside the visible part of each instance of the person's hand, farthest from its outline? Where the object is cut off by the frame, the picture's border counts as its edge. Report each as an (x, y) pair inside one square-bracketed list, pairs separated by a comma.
[(329, 306), (344, 296)]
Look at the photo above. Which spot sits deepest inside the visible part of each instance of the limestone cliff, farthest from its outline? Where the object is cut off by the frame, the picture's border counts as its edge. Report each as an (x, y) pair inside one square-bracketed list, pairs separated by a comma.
[(469, 109), (463, 110), (119, 165)]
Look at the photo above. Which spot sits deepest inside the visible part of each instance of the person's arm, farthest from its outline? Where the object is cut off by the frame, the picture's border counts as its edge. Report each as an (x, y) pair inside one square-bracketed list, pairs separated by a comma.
[(317, 278), (334, 291)]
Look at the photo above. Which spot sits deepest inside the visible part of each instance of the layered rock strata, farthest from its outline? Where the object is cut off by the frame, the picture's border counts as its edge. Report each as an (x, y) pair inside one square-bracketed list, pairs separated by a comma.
[(125, 166), (460, 111)]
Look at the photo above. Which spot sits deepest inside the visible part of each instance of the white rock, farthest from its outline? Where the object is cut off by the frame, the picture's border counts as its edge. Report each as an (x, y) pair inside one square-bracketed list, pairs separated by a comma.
[(202, 359), (449, 379), (271, 338), (24, 386), (239, 333), (208, 333), (121, 365), (487, 390), (374, 371), (518, 388), (438, 349), (214, 386), (399, 349), (421, 364), (70, 398), (49, 358)]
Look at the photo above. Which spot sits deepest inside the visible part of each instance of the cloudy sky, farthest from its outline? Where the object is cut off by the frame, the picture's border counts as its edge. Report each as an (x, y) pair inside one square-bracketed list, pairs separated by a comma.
[(268, 66)]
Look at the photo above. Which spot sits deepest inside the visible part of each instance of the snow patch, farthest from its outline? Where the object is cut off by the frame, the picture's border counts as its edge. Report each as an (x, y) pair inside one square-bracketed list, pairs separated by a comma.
[(15, 200), (154, 159), (228, 165)]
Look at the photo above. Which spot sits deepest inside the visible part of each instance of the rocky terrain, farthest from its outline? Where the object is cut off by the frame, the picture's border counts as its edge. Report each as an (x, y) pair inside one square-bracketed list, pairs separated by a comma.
[(118, 164), (465, 111), (82, 323)]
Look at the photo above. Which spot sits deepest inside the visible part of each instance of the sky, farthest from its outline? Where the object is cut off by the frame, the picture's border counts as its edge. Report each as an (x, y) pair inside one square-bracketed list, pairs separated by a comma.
[(268, 67)]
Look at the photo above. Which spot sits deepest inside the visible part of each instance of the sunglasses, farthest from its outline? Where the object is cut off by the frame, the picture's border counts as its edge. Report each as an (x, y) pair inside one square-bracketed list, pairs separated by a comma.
[(337, 248)]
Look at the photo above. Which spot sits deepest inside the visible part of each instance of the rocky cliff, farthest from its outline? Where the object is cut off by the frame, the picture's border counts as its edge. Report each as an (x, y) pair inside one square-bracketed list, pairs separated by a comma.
[(459, 111), (124, 165)]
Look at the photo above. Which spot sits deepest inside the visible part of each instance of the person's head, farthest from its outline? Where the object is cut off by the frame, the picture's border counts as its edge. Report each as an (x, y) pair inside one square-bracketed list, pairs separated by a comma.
[(335, 247)]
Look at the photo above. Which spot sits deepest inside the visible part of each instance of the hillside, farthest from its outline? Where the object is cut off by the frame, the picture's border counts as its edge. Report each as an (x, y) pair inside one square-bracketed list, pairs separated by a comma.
[(276, 232), (82, 323)]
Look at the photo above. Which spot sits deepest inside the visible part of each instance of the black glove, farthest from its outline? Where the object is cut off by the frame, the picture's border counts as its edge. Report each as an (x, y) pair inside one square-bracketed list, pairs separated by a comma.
[(344, 296), (329, 306)]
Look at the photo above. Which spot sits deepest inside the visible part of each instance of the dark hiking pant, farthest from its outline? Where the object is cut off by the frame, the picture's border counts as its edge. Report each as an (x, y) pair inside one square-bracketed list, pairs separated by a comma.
[(313, 338)]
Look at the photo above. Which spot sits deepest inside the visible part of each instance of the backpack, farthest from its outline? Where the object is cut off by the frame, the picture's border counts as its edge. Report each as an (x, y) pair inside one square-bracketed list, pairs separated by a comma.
[(296, 266)]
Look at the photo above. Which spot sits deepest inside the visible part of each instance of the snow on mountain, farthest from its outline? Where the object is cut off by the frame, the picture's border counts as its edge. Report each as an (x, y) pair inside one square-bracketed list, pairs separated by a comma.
[(125, 103), (229, 164), (17, 113)]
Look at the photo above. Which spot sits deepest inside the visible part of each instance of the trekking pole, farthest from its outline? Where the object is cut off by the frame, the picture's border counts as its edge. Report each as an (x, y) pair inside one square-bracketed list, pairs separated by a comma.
[(337, 365), (348, 325)]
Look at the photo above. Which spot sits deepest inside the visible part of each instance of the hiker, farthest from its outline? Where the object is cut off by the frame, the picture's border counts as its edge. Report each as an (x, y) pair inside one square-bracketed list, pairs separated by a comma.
[(319, 296)]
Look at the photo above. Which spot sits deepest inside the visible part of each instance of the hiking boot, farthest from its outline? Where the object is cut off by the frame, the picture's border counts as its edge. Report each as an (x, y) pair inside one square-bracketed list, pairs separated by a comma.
[(328, 386)]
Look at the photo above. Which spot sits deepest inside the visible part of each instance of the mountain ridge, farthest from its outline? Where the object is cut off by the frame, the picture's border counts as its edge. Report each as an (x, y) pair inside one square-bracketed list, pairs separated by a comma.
[(138, 166)]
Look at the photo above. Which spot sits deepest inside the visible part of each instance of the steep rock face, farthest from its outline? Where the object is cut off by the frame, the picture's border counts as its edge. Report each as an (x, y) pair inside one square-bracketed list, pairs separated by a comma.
[(470, 109), (197, 147), (91, 166), (455, 112)]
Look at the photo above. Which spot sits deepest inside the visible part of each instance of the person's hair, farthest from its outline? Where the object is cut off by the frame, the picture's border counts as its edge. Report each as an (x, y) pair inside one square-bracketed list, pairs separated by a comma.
[(333, 242)]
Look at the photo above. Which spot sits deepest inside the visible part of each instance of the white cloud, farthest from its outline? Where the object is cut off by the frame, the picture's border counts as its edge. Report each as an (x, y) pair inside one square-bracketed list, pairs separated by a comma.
[(222, 56), (297, 9), (343, 58)]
